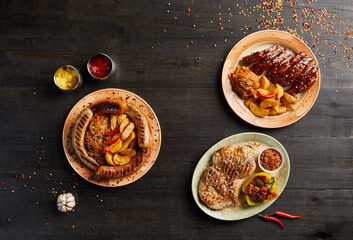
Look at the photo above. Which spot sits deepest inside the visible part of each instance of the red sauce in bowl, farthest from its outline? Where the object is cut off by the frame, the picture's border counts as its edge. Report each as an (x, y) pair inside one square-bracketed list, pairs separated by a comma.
[(100, 66), (270, 159)]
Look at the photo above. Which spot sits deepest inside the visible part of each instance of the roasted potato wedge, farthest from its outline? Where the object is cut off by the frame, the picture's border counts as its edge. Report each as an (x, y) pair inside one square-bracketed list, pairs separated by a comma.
[(286, 104), (277, 110), (289, 98), (121, 117), (268, 103), (264, 83), (115, 146), (272, 88), (279, 90), (128, 152), (281, 110), (127, 131), (127, 141), (263, 91), (113, 121), (260, 112), (124, 124), (248, 101), (255, 95), (121, 160), (109, 159)]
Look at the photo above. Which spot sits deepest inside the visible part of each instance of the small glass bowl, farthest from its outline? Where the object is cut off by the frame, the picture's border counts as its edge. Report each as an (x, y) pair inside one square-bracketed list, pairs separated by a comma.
[(268, 171), (111, 62), (78, 83)]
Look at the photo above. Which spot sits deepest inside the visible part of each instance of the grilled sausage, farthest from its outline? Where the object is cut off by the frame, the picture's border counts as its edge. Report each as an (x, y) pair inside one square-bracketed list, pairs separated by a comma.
[(143, 130), (113, 106), (124, 170), (78, 138), (143, 139)]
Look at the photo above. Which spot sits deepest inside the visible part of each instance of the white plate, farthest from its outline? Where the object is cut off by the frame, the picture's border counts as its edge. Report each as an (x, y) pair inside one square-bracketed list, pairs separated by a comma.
[(248, 211)]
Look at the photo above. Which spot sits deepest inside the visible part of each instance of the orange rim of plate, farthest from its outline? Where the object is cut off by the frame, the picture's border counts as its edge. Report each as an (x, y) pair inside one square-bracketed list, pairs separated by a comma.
[(90, 100), (237, 105)]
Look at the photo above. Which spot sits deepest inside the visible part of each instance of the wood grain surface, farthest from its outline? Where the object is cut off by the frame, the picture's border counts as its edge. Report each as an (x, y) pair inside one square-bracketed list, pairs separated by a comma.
[(174, 62)]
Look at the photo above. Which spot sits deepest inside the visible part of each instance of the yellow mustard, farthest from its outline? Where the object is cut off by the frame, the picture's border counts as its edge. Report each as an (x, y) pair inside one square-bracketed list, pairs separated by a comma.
[(66, 77)]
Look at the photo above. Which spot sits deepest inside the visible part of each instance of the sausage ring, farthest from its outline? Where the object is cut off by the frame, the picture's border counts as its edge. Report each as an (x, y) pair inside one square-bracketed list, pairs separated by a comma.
[(112, 107)]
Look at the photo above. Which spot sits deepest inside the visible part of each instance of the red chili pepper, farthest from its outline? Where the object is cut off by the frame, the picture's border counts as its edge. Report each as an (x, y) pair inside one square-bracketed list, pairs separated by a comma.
[(112, 141), (272, 219), (107, 150), (113, 132), (286, 215), (266, 96)]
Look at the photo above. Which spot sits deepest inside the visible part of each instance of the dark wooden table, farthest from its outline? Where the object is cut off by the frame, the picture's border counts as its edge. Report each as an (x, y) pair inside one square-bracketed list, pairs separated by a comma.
[(171, 54)]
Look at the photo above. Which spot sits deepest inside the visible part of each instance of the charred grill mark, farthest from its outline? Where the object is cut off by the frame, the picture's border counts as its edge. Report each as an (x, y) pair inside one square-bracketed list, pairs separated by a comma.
[(219, 184), (232, 174), (227, 166), (113, 106), (143, 131)]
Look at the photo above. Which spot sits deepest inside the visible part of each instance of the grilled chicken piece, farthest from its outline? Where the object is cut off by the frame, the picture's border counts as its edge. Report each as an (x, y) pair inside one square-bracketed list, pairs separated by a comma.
[(220, 184), (257, 56), (233, 162), (94, 140), (305, 80), (211, 186), (266, 62), (279, 69)]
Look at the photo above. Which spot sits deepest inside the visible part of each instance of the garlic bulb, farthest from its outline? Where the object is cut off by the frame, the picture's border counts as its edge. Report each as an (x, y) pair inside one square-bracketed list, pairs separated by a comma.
[(66, 202)]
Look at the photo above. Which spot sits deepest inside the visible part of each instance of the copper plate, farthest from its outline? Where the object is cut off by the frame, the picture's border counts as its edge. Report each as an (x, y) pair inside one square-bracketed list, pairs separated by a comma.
[(92, 99), (259, 41)]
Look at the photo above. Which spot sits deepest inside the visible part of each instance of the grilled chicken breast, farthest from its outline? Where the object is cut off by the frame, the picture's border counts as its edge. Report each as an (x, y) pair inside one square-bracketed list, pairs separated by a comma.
[(233, 162), (220, 183)]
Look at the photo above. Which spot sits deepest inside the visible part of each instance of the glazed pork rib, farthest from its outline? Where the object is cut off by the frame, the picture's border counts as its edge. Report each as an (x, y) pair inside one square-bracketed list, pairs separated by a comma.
[(284, 68), (305, 80), (285, 56), (266, 62), (281, 67), (295, 70), (220, 184), (257, 56)]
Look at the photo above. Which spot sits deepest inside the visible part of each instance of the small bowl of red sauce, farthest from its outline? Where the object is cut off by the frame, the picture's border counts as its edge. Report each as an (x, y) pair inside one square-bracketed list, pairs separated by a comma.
[(100, 66), (270, 160)]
